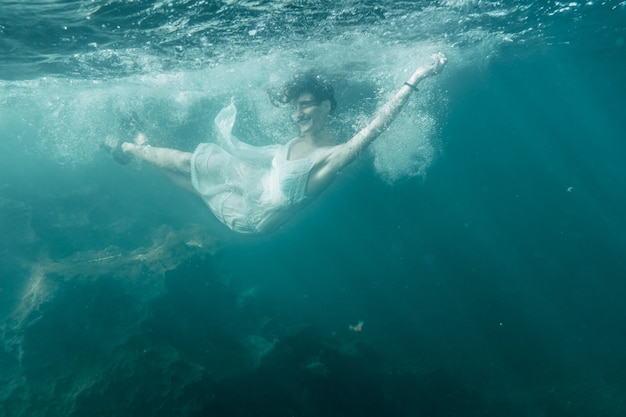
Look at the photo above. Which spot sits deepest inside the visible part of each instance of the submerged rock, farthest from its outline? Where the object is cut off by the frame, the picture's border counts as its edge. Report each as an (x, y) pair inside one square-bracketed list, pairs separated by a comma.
[(95, 332)]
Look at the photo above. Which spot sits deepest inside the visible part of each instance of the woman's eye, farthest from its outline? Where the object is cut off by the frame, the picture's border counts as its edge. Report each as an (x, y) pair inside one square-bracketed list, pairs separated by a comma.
[(308, 104)]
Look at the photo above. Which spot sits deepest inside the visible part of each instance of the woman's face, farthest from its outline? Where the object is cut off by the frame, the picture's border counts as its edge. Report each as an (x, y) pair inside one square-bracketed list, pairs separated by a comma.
[(309, 114)]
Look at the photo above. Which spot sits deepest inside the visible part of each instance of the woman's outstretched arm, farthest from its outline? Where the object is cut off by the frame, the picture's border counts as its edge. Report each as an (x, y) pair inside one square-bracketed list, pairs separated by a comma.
[(343, 154)]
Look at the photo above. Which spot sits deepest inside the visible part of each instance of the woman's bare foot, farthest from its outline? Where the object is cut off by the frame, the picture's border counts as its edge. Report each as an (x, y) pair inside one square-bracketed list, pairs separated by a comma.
[(115, 147), (135, 147), (141, 140), (128, 147)]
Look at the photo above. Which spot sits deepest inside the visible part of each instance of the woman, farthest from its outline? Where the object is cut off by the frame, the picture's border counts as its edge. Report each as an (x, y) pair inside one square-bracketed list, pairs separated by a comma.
[(256, 189)]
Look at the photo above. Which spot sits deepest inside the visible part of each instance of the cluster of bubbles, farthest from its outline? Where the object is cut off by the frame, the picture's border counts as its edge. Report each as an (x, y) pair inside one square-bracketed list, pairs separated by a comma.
[(166, 68)]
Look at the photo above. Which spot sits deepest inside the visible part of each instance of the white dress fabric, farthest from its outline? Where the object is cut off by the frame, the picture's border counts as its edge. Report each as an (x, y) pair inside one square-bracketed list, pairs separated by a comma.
[(251, 189)]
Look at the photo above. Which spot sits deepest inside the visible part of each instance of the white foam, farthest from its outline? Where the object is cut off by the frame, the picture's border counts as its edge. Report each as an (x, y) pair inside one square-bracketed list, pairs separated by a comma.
[(176, 108)]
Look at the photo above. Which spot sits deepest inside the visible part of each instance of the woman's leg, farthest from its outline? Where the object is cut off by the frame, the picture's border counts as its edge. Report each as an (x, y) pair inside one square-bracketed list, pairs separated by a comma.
[(182, 181), (171, 160)]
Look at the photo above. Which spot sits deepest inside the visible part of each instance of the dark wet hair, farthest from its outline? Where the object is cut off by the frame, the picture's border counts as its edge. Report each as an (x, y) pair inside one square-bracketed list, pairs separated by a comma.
[(308, 82)]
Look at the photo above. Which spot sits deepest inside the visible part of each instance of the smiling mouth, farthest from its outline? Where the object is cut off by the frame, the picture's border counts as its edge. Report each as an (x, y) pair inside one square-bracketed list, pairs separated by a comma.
[(303, 121)]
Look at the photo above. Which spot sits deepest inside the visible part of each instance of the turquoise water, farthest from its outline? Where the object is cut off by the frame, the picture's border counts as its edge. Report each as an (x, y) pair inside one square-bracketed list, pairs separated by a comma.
[(480, 240)]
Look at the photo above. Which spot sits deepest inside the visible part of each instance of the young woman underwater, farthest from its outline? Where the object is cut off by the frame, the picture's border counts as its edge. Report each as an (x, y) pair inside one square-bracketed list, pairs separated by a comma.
[(255, 189)]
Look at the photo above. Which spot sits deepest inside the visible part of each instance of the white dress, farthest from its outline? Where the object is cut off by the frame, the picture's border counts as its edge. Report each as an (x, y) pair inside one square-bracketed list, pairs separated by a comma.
[(251, 189)]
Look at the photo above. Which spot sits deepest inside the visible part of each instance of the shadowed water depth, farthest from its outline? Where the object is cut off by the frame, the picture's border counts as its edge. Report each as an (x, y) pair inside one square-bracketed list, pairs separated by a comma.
[(470, 263)]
